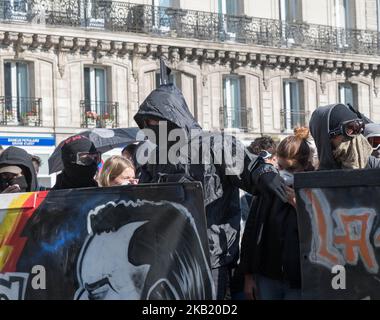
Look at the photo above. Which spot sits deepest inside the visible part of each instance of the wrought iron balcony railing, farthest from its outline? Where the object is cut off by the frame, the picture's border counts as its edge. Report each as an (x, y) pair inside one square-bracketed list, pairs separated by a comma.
[(169, 22), (231, 118), (99, 114), (17, 111), (293, 119)]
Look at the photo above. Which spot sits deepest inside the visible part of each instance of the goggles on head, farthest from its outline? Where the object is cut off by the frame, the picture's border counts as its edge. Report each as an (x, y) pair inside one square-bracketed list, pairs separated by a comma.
[(349, 128), (265, 154)]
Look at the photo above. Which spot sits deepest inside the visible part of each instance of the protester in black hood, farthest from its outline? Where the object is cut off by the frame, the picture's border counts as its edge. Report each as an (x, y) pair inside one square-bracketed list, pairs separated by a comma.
[(17, 172), (337, 132), (80, 162), (166, 105)]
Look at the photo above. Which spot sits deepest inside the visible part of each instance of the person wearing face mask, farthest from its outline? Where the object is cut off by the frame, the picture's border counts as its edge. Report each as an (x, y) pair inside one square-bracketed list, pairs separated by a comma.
[(162, 111), (338, 135), (17, 172), (117, 171), (80, 164)]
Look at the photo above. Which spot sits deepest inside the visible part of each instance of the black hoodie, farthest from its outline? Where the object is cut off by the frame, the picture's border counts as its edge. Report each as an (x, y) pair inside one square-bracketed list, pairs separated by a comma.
[(221, 194), (19, 157), (319, 128), (270, 243)]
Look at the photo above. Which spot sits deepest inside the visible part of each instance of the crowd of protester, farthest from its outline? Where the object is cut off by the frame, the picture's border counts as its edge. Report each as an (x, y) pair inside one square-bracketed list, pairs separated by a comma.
[(262, 261)]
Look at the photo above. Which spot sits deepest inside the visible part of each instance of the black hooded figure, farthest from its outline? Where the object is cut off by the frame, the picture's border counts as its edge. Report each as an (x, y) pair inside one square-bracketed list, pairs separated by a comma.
[(14, 156), (221, 196), (74, 175), (327, 118)]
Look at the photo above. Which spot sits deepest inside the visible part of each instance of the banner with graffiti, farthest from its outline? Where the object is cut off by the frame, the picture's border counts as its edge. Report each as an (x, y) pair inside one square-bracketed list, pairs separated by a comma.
[(339, 229), (132, 242)]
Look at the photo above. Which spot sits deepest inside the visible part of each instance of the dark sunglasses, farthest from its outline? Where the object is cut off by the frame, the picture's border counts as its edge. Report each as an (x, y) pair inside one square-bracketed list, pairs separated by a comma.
[(349, 128)]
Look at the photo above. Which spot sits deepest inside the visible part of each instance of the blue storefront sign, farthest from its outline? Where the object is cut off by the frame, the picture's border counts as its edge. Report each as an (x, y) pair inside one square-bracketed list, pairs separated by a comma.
[(28, 141)]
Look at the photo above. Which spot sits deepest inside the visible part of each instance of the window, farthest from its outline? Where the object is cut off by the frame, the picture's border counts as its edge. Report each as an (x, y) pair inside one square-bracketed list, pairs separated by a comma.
[(227, 8), (348, 94), (293, 114), (291, 11), (161, 18), (345, 14), (95, 90), (378, 14), (94, 13), (17, 91), (164, 3), (15, 10), (234, 111), (18, 5)]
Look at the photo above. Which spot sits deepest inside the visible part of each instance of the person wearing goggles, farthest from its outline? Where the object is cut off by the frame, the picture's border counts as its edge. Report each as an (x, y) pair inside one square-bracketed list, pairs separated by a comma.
[(87, 158), (338, 133), (80, 164), (350, 129), (265, 147)]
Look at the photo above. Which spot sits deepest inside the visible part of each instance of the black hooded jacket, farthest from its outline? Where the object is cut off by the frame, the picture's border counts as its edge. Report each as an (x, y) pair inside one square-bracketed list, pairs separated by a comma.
[(221, 194), (73, 175), (319, 128), (270, 244), (19, 157)]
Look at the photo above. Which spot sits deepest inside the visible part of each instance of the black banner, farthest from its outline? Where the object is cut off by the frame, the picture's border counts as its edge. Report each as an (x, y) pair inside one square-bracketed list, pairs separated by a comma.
[(339, 229), (134, 242)]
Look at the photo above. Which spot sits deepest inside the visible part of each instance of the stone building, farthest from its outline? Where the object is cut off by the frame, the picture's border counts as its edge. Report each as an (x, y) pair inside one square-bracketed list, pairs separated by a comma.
[(259, 66)]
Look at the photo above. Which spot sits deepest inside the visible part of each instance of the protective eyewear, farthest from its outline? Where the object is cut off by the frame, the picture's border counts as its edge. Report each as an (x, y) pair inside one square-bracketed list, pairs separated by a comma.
[(375, 142), (88, 158), (265, 154), (350, 128)]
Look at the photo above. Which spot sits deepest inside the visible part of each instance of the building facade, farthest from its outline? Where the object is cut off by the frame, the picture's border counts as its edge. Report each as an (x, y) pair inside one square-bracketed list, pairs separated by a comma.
[(259, 66)]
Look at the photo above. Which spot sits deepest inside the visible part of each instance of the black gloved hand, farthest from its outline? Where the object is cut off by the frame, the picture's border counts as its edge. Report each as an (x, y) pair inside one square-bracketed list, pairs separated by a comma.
[(273, 182)]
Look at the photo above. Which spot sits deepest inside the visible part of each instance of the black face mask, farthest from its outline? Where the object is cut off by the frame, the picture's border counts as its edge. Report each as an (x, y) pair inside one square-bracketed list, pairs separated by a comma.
[(20, 181), (81, 174), (156, 129)]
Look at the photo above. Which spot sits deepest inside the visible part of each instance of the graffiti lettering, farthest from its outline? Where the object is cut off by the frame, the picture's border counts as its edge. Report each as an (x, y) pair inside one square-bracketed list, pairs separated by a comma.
[(323, 251), (345, 241), (13, 286), (352, 236)]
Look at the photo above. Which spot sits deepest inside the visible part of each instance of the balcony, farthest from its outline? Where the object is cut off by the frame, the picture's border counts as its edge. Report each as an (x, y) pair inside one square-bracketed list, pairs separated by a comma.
[(190, 24), (231, 118), (15, 111), (107, 115), (293, 119)]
